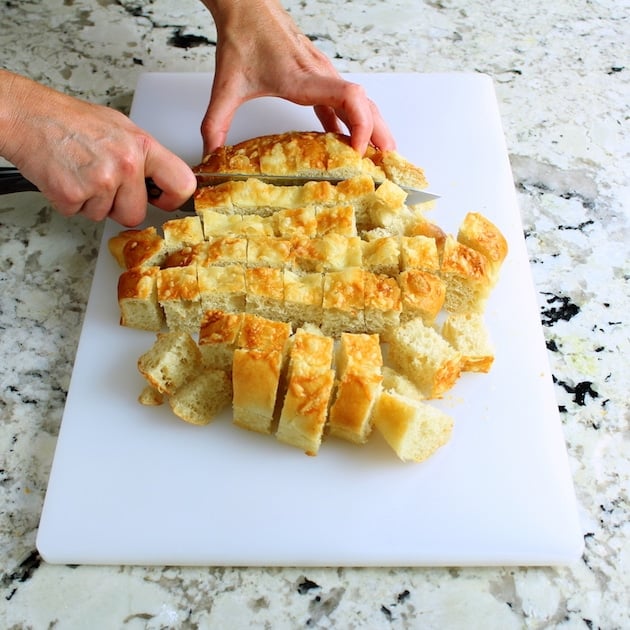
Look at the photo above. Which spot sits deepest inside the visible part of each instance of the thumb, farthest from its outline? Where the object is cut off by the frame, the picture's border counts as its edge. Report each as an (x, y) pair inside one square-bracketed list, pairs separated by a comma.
[(218, 118), (172, 176)]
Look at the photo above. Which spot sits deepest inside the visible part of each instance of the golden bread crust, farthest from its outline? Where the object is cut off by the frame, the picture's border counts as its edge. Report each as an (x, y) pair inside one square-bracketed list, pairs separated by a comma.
[(310, 153)]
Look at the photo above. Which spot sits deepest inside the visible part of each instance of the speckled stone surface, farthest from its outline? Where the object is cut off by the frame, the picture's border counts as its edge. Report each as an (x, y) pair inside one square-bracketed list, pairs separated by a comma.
[(563, 85)]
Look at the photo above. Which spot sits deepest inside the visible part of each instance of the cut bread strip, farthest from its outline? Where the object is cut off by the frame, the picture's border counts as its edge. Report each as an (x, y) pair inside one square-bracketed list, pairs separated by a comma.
[(467, 333), (309, 387), (200, 399), (421, 354), (138, 299), (359, 362), (414, 430), (218, 335), (173, 360)]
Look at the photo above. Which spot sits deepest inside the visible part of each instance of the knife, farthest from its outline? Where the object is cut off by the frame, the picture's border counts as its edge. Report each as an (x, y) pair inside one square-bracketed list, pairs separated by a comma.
[(414, 195), (12, 181)]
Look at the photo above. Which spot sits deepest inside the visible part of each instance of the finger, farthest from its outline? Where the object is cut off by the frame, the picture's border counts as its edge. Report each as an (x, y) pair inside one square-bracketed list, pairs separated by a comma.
[(382, 137), (170, 174), (348, 100), (96, 208), (129, 206), (328, 118), (216, 123)]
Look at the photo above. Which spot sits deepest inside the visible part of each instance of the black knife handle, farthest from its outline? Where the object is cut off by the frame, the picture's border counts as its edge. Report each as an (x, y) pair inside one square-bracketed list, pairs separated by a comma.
[(12, 181)]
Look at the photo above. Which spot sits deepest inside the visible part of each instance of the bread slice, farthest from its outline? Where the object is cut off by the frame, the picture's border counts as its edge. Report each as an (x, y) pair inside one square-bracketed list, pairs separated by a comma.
[(257, 370), (200, 399), (250, 196), (413, 429), (343, 301), (421, 226), (260, 333), (292, 222), (264, 292), (222, 288), (217, 224), (350, 413), (383, 304), (423, 295), (336, 220), (381, 255), (395, 382), (182, 232), (419, 252), (359, 363), (256, 377), (309, 387), (341, 252), (178, 295), (468, 278), (358, 353), (253, 225), (138, 299), (184, 257), (218, 335), (268, 251), (421, 354), (467, 333), (135, 248), (332, 252), (116, 245), (173, 360), (223, 250), (386, 209), (480, 234), (303, 295), (219, 251), (396, 168)]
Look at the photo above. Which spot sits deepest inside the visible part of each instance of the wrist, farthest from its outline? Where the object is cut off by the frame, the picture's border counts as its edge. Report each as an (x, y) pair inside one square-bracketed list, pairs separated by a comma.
[(15, 95), (244, 15)]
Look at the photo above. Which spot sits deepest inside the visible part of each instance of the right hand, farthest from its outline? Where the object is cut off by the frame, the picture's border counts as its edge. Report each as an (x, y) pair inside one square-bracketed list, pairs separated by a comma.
[(87, 159)]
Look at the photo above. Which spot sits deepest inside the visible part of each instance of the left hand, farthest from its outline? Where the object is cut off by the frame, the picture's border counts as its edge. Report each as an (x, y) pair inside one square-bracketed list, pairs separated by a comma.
[(261, 52)]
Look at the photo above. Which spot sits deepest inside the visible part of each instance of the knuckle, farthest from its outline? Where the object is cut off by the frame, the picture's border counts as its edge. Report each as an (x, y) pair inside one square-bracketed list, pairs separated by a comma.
[(354, 92)]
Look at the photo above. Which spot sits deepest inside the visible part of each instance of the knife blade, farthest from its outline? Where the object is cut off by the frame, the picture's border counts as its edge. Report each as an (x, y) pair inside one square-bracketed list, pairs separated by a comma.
[(414, 195)]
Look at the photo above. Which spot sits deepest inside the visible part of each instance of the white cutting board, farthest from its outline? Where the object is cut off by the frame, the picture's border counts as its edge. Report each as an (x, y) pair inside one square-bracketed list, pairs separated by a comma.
[(134, 485)]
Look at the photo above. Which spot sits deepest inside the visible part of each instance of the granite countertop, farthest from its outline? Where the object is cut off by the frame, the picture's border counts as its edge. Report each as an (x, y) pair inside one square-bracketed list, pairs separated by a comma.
[(561, 77)]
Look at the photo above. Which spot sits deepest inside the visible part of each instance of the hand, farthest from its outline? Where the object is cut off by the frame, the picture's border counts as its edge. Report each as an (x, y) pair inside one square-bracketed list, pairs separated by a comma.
[(261, 52), (87, 159)]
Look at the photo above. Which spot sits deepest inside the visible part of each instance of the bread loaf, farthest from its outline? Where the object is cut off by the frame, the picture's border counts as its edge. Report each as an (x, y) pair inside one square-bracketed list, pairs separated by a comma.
[(310, 154), (347, 263)]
